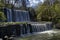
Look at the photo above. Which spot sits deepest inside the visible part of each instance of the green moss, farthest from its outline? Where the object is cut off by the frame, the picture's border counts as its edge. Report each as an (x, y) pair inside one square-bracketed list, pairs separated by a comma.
[(11, 23)]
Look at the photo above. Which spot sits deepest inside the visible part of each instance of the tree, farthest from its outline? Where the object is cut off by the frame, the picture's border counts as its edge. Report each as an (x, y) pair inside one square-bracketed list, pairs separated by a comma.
[(48, 11), (32, 13), (2, 3), (2, 16)]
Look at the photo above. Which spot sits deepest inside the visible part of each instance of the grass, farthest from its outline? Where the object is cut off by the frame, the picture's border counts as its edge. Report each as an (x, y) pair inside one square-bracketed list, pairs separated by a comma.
[(11, 23)]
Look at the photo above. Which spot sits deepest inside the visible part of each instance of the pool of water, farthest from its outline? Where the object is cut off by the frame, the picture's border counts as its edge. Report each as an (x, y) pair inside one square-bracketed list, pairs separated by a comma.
[(46, 35)]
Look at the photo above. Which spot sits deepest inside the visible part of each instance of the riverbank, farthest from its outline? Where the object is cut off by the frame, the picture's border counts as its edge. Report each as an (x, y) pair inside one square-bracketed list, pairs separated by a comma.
[(46, 35)]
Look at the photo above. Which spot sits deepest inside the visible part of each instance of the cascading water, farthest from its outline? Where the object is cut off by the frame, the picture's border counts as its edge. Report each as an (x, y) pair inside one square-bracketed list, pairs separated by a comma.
[(39, 27), (22, 16), (30, 27), (9, 15), (17, 15)]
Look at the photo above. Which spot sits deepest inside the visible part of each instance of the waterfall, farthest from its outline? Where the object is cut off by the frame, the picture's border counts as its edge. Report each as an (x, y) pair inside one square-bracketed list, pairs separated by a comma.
[(35, 27), (30, 27), (8, 14), (39, 27), (17, 15), (25, 29), (22, 16)]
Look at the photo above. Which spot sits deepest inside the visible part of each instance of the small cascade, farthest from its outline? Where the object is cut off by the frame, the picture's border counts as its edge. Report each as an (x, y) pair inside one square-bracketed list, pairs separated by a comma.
[(17, 15), (8, 14), (25, 29), (21, 16), (34, 28), (39, 27)]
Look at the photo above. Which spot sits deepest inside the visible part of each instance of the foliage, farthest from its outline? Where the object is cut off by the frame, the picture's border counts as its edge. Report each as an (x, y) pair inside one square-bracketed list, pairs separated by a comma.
[(48, 12), (2, 3), (2, 16), (32, 13)]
